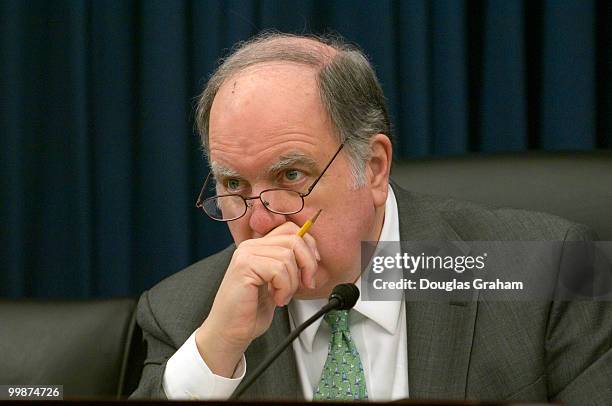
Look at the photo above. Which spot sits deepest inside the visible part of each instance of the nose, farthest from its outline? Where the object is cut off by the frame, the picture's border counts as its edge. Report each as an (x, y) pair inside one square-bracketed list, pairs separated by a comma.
[(262, 220)]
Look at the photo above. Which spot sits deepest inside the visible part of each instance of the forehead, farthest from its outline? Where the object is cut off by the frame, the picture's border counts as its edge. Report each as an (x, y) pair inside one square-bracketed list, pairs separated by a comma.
[(265, 111)]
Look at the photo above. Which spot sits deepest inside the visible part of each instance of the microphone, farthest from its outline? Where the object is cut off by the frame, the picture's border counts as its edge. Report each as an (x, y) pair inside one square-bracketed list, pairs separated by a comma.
[(343, 297)]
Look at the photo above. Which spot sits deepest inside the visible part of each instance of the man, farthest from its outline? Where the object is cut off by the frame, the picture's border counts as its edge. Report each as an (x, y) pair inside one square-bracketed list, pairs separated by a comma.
[(294, 125)]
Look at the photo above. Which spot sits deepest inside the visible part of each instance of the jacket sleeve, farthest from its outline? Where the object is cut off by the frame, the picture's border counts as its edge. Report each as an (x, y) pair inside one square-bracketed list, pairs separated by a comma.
[(158, 351), (579, 346)]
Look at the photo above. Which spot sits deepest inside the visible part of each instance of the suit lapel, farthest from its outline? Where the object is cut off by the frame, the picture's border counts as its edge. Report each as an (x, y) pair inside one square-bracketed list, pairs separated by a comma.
[(280, 380), (439, 334), (439, 339)]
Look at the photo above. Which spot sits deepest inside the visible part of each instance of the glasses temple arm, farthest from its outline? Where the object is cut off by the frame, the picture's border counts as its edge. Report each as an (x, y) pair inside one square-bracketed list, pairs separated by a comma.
[(199, 202), (323, 172)]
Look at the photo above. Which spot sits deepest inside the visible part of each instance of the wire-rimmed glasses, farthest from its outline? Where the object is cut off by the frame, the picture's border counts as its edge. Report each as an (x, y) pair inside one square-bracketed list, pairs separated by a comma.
[(230, 207)]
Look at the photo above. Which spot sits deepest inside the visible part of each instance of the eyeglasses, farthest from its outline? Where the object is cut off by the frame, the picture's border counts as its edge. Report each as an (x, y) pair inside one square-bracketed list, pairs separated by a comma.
[(230, 207)]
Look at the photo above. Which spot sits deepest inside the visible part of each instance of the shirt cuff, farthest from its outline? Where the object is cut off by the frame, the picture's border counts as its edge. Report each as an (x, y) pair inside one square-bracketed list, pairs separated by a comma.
[(188, 377)]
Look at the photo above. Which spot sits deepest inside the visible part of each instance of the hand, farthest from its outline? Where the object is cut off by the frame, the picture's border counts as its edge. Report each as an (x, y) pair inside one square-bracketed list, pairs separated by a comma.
[(263, 273)]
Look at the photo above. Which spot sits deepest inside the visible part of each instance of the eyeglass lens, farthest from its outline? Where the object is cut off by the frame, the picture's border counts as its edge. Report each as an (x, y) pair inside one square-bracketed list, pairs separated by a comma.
[(231, 207)]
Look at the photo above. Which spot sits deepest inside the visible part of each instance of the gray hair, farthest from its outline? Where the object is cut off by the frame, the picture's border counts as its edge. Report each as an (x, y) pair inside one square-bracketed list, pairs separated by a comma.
[(348, 87)]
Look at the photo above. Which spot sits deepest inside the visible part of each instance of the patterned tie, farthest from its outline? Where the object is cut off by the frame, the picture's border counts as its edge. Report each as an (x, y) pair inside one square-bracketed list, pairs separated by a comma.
[(342, 377)]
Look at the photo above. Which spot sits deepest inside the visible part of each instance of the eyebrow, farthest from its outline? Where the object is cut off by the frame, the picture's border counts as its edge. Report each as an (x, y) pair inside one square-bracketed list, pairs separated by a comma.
[(285, 161), (291, 159), (220, 171)]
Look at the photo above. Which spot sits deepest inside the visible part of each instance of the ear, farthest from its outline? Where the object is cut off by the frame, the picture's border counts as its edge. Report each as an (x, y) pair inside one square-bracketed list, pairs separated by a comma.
[(378, 168)]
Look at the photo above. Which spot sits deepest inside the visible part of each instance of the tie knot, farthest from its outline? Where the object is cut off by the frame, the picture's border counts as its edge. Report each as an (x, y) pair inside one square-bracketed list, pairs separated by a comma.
[(337, 320)]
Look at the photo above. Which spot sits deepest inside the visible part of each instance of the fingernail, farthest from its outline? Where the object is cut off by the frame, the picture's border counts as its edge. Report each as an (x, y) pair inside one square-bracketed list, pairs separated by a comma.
[(313, 283), (317, 254)]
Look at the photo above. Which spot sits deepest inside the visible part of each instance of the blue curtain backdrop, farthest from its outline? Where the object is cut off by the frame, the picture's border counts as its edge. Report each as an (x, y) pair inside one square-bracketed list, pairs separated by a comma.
[(99, 163)]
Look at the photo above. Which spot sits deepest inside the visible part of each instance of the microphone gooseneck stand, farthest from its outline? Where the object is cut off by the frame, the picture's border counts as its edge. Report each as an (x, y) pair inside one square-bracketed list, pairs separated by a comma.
[(343, 297)]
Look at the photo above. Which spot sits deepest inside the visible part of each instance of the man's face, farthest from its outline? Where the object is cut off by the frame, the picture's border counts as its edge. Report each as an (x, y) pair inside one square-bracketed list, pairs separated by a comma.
[(269, 129)]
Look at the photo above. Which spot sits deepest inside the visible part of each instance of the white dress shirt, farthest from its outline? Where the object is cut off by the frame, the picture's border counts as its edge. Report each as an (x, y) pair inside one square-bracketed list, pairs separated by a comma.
[(383, 353)]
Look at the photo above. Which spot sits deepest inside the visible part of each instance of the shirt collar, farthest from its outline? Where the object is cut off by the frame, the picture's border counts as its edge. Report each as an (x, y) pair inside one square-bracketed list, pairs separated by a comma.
[(384, 313)]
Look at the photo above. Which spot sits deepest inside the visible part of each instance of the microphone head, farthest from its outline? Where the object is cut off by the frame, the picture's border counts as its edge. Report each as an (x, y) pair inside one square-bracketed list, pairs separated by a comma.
[(347, 294)]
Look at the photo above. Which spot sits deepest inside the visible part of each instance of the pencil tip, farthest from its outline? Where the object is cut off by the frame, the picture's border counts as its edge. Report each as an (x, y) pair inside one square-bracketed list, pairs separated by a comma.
[(316, 216)]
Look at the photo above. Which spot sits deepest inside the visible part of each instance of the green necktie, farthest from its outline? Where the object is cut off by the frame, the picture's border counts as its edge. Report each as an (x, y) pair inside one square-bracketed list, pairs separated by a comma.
[(342, 377)]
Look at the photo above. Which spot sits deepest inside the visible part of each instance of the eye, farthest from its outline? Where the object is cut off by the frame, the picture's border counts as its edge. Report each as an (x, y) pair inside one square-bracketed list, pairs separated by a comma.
[(293, 175), (232, 184)]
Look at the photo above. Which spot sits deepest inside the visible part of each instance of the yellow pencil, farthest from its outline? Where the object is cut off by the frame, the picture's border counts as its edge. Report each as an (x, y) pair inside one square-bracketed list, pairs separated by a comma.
[(308, 224)]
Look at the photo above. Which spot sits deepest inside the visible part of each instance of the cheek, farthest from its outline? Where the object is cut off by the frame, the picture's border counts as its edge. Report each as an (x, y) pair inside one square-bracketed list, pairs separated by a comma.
[(340, 241), (239, 230)]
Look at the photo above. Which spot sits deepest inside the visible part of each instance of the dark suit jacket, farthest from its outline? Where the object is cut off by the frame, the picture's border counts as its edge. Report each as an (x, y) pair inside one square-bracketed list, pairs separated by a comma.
[(474, 350)]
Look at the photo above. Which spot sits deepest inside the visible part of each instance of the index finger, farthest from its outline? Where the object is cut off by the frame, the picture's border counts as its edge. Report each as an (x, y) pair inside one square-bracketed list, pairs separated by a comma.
[(290, 227)]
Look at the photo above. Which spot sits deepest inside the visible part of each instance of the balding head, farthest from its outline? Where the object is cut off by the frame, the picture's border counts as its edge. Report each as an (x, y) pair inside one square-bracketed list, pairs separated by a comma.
[(347, 86)]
